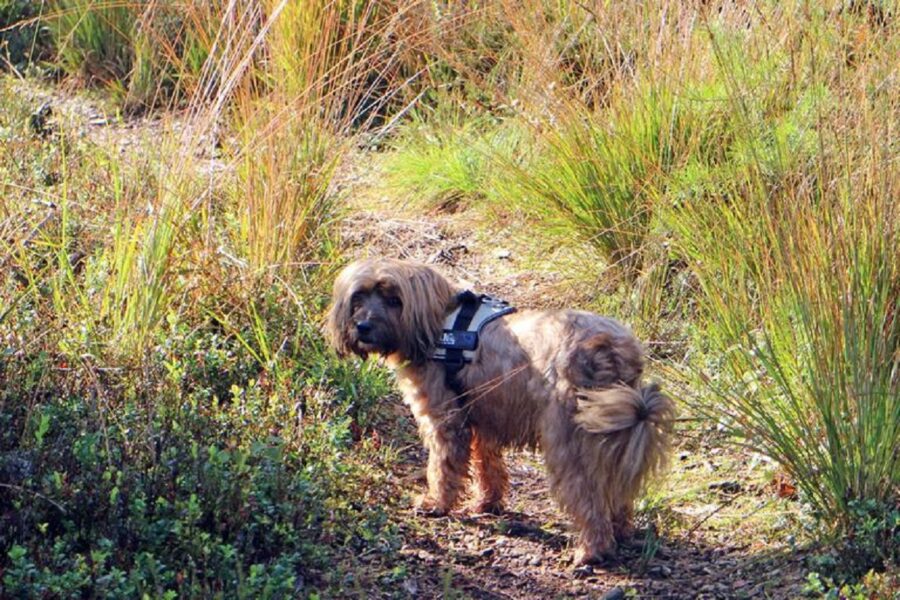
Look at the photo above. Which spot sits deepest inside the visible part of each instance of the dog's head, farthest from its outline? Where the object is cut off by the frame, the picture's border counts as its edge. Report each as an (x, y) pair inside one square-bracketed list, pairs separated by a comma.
[(386, 306)]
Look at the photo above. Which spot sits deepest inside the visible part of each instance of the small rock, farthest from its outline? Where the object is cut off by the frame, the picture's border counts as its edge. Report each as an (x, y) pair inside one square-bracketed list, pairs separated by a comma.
[(659, 572), (38, 121), (516, 528), (684, 455), (616, 593), (411, 586), (535, 562), (583, 571), (486, 552), (503, 254), (727, 487)]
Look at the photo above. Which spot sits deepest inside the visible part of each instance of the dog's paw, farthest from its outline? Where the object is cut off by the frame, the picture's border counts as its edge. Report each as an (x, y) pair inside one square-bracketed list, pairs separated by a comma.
[(428, 507), (624, 533), (585, 557), (486, 507)]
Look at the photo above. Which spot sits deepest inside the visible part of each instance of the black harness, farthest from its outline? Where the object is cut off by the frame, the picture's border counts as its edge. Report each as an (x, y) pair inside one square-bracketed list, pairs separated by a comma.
[(459, 339)]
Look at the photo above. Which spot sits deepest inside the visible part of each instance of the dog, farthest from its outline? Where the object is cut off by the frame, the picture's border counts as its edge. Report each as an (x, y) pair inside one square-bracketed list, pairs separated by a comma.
[(565, 381)]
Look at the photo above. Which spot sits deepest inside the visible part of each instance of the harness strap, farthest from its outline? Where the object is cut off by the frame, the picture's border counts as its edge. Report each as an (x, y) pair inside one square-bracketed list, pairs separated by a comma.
[(454, 361)]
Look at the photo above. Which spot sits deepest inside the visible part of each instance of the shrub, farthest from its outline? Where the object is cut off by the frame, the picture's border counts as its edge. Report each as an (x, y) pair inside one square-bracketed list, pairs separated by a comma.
[(170, 489), (24, 38)]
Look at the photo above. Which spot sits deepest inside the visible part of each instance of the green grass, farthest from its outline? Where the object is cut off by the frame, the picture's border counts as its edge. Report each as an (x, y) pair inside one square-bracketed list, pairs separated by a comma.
[(445, 164), (95, 40), (602, 183), (144, 54)]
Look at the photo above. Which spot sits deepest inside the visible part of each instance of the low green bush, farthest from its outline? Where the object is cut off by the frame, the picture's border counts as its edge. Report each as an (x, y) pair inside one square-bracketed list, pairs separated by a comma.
[(163, 486), (24, 38)]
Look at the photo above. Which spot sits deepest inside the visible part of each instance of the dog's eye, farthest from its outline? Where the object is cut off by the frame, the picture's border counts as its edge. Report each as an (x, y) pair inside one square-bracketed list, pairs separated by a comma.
[(356, 299), (393, 302)]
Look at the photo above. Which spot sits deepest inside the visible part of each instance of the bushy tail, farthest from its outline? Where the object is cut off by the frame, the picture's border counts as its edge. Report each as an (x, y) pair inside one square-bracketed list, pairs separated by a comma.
[(633, 427)]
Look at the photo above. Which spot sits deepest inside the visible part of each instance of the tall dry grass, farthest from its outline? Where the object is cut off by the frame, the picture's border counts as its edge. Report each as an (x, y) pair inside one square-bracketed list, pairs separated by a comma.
[(237, 195), (794, 243)]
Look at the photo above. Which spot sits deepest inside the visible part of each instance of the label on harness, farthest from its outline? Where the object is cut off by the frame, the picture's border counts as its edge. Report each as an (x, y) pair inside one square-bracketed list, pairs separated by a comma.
[(460, 340)]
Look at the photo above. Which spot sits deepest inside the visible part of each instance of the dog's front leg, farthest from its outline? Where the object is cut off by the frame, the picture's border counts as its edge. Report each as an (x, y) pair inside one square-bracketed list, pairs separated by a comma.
[(448, 440)]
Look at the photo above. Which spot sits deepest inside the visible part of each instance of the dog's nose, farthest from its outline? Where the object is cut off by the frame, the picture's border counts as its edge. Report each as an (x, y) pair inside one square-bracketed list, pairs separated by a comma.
[(364, 327)]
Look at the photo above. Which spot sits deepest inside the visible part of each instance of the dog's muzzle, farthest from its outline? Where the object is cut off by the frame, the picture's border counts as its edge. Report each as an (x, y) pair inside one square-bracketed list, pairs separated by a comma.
[(364, 331)]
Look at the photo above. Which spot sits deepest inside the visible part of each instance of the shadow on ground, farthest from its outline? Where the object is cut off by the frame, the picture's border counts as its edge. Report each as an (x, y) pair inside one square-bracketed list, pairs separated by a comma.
[(526, 551)]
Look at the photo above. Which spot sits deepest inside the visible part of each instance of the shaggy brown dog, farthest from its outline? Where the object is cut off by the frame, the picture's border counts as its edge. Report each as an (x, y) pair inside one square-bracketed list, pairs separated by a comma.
[(565, 381)]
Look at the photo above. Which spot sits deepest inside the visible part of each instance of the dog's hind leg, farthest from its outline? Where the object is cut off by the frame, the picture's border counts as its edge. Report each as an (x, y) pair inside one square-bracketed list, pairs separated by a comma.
[(491, 478), (577, 484)]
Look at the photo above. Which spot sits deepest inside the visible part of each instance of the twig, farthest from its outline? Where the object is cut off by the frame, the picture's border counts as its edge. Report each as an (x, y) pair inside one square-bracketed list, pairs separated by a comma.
[(32, 234), (697, 525), (18, 488)]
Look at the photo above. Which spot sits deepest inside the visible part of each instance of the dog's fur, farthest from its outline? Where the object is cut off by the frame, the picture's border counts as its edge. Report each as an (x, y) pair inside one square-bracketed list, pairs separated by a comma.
[(565, 381)]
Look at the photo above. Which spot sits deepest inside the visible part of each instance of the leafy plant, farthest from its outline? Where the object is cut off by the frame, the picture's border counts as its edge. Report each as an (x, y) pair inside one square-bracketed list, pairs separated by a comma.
[(23, 37)]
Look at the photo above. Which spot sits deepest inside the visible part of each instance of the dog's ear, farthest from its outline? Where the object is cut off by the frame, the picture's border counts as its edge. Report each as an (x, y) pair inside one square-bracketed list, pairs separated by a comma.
[(337, 324), (426, 295)]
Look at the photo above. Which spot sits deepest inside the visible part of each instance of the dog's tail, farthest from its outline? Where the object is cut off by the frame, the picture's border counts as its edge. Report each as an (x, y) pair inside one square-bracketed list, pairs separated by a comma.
[(633, 427)]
